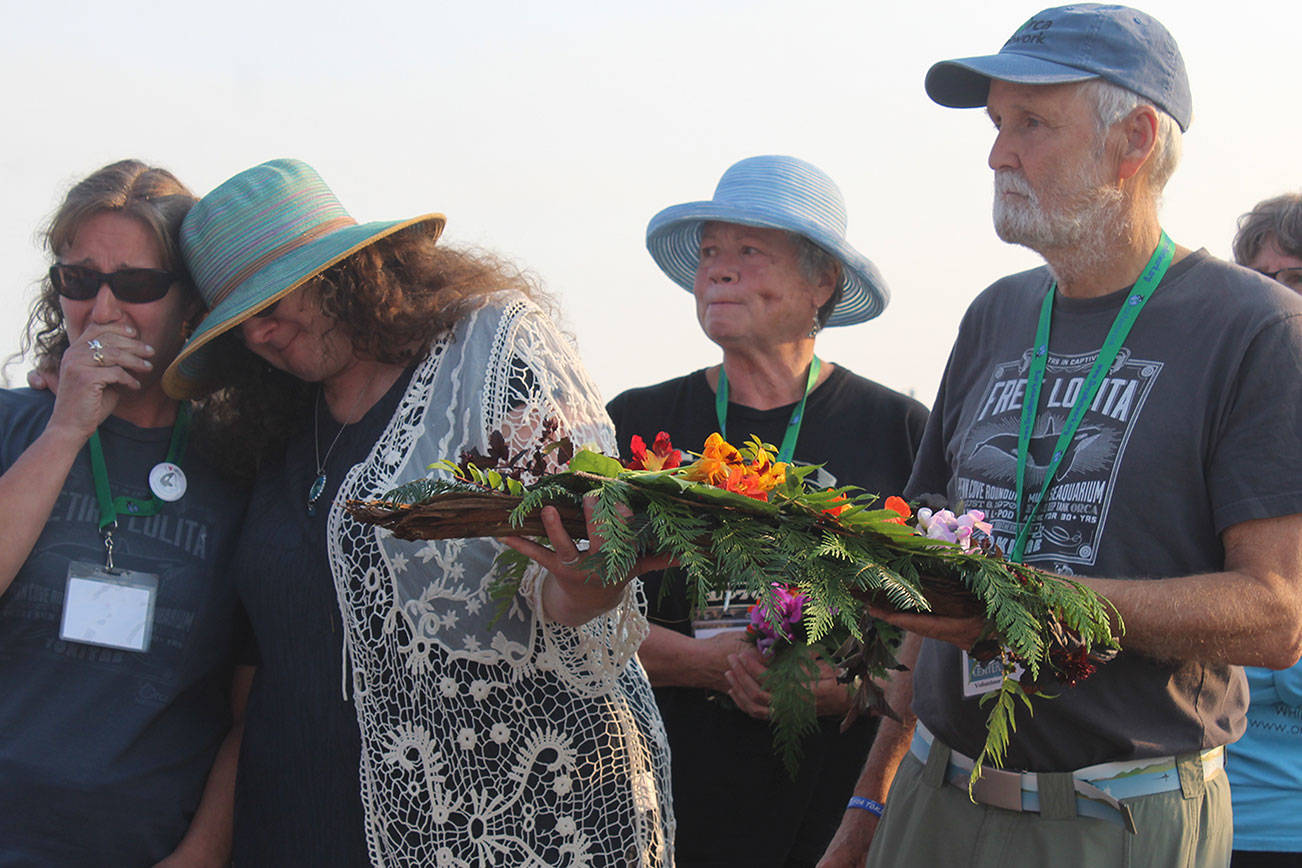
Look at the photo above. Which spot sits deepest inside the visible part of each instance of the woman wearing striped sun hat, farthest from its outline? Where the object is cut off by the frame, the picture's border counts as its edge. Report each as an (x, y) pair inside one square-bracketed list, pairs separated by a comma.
[(459, 738), (768, 265)]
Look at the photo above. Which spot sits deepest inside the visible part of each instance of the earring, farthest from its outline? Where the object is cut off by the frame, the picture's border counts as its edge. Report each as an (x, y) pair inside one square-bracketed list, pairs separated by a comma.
[(815, 328)]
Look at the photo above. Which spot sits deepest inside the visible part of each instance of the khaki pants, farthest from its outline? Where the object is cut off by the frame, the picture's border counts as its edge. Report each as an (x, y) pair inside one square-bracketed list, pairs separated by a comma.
[(931, 824)]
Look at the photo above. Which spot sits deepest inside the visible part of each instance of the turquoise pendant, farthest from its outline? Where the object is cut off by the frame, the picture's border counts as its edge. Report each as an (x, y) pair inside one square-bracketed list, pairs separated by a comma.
[(318, 486)]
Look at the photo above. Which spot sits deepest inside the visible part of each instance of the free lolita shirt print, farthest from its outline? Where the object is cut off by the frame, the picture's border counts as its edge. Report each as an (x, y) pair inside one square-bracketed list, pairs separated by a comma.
[(1076, 504)]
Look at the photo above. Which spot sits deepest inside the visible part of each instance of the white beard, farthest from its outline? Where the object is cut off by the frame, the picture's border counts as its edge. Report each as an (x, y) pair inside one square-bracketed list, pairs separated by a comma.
[(1092, 212)]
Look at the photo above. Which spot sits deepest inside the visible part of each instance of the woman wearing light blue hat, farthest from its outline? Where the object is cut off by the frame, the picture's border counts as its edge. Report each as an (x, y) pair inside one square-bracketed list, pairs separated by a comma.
[(457, 737), (769, 266)]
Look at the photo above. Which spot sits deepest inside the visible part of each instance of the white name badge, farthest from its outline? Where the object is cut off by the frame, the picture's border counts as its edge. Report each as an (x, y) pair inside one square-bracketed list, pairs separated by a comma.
[(112, 608), (981, 678)]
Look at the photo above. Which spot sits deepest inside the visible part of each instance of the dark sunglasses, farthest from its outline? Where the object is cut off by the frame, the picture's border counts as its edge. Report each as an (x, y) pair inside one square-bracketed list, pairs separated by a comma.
[(134, 285)]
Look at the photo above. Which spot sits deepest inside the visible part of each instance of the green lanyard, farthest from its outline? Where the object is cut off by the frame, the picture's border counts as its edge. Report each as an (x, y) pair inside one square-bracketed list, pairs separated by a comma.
[(788, 447), (1144, 286), (109, 506)]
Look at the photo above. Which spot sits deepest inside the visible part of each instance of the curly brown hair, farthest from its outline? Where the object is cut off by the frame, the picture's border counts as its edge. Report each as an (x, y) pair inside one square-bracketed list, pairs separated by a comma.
[(152, 196), (395, 297), (392, 299)]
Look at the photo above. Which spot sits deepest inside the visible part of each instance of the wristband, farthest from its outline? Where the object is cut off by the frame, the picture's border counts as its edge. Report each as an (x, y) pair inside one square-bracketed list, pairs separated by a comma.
[(874, 808)]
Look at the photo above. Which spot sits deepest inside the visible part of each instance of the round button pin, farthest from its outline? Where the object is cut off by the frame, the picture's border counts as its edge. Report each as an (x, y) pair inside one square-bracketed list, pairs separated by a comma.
[(167, 481)]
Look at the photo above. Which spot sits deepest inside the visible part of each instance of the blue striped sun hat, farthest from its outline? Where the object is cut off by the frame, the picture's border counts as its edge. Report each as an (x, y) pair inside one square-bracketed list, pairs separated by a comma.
[(772, 192), (255, 239)]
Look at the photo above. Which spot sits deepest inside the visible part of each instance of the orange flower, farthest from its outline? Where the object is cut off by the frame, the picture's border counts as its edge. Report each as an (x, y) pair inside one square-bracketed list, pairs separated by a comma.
[(839, 505), (900, 506), (717, 447), (715, 462), (721, 465)]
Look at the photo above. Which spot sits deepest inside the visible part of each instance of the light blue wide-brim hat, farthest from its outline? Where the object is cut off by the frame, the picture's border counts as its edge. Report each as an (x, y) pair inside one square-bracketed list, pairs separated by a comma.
[(254, 240), (772, 192)]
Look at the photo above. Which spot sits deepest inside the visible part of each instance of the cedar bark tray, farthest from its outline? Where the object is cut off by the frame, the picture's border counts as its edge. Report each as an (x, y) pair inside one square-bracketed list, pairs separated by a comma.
[(457, 515)]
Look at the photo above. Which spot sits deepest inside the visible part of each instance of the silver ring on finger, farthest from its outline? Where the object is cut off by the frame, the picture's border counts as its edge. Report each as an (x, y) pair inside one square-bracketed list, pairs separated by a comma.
[(574, 561), (94, 344), (98, 357)]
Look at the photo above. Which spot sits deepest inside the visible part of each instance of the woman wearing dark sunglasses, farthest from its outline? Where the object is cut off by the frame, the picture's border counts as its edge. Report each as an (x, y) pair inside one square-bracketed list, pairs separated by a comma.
[(117, 616)]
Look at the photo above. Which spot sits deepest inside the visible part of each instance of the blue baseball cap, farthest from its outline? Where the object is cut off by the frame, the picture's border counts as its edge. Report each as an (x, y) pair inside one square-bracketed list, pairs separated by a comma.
[(1076, 43)]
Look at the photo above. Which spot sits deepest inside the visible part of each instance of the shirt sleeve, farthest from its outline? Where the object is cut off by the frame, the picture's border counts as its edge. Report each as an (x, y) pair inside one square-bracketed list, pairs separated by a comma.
[(1255, 462)]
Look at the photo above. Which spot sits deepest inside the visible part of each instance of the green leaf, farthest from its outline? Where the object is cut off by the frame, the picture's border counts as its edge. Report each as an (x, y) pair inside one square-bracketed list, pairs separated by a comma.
[(587, 461), (793, 718)]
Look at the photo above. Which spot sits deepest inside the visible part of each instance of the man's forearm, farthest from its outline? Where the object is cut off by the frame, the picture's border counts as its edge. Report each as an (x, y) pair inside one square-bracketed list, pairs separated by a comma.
[(1250, 614)]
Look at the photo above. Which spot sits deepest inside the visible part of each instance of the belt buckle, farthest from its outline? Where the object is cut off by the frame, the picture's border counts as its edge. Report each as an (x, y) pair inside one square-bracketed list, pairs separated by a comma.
[(999, 789)]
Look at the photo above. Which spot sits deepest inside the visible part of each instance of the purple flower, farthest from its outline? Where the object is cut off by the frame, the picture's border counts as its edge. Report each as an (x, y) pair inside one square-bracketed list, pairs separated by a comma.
[(789, 606)]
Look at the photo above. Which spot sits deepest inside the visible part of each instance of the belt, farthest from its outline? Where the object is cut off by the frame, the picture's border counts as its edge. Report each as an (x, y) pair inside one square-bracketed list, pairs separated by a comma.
[(1097, 789)]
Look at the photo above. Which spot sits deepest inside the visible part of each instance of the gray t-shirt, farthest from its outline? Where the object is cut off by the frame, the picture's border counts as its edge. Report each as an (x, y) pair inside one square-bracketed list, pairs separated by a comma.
[(104, 753), (1197, 427)]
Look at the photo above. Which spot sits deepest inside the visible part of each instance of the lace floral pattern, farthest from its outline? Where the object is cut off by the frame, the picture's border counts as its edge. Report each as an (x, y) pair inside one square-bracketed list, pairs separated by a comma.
[(512, 741)]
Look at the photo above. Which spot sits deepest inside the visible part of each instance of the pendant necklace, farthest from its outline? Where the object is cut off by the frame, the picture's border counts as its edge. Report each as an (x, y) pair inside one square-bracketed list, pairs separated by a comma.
[(319, 483)]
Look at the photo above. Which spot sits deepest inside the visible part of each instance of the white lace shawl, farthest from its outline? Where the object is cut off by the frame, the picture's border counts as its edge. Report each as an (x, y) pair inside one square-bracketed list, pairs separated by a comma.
[(515, 742)]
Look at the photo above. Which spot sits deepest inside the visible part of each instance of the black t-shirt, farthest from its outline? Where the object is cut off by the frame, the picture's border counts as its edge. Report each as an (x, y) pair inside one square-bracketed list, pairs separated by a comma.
[(297, 798), (104, 753), (734, 801)]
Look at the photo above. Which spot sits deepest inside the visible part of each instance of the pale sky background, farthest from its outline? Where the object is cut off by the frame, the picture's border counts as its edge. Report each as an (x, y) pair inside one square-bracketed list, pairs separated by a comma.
[(552, 132)]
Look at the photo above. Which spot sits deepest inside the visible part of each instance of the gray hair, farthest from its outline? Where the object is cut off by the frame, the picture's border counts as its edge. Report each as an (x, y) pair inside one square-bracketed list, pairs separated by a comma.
[(813, 262), (1113, 102), (1278, 220)]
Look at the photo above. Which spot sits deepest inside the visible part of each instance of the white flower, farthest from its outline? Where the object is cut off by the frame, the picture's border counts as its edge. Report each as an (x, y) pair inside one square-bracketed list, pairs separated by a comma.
[(566, 826), (500, 733), (479, 689), (399, 563), (448, 686), (562, 785), (466, 738)]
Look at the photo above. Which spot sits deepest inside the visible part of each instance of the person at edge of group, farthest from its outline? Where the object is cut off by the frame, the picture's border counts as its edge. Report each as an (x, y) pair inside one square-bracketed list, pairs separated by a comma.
[(119, 626), (1176, 496), (1265, 766), (769, 266), (461, 735)]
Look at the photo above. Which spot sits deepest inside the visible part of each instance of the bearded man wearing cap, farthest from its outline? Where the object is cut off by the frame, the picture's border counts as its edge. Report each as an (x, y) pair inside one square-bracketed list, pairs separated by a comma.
[(1180, 481), (769, 266)]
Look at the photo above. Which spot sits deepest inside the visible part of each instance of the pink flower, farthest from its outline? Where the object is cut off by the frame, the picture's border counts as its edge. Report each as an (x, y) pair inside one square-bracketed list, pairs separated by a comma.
[(789, 605), (944, 525)]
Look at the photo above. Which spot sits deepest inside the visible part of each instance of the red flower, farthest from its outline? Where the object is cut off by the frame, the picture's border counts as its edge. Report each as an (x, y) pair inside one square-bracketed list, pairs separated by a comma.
[(900, 507), (663, 455)]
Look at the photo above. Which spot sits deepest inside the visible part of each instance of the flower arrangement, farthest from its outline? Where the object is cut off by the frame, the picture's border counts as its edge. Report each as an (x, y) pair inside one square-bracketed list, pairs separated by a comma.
[(734, 517)]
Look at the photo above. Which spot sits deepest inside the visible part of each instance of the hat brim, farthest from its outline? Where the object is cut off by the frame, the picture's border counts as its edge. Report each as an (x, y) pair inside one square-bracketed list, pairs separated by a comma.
[(673, 238), (965, 83), (188, 375)]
